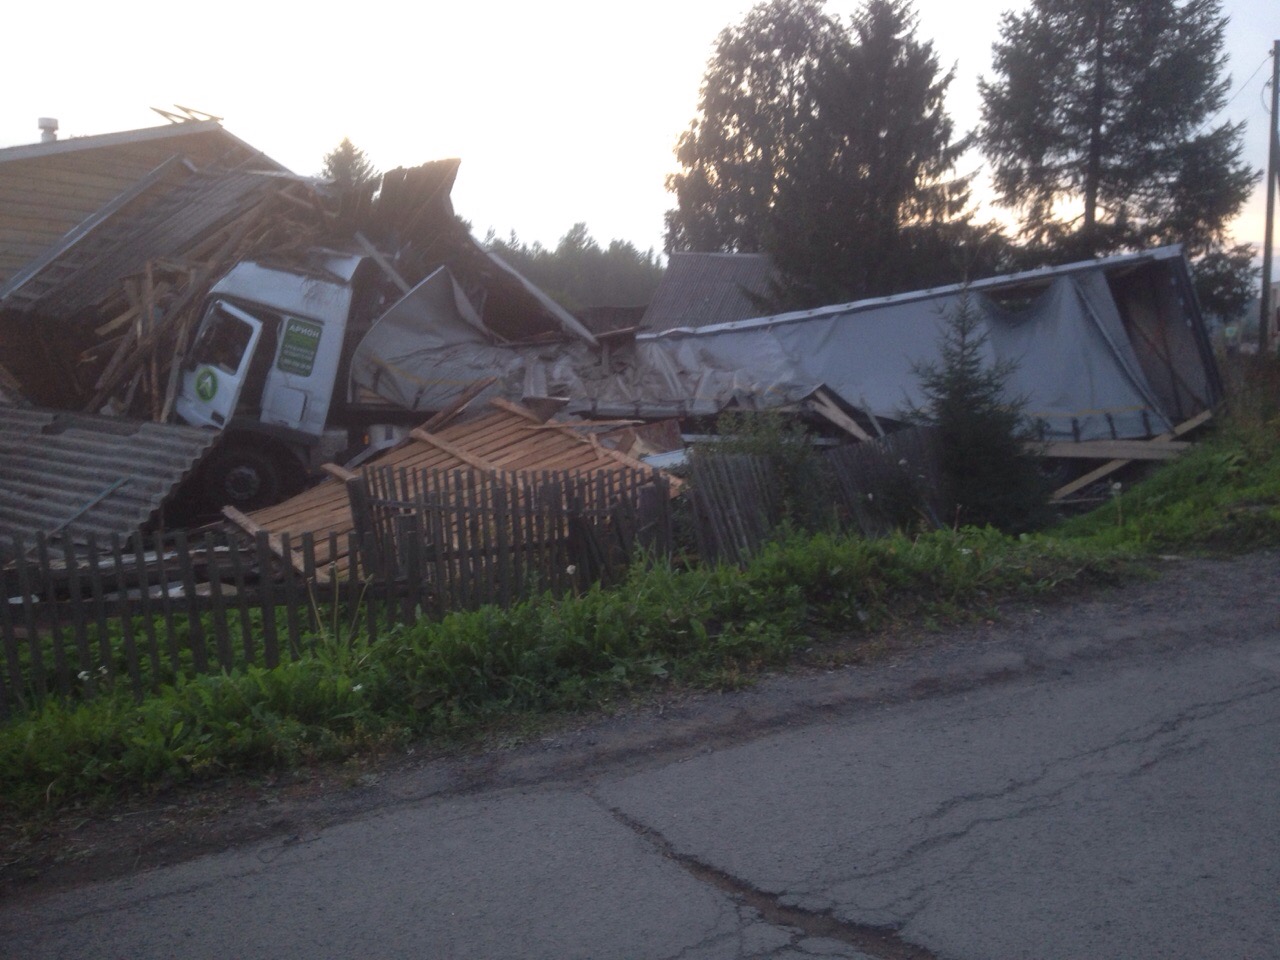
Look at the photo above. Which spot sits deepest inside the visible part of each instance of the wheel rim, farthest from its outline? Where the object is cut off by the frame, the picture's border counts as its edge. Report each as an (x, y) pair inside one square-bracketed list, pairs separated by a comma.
[(242, 483)]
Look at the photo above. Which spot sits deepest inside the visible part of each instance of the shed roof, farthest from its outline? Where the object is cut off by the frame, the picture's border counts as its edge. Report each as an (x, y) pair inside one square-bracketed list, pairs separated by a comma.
[(699, 289), (507, 437)]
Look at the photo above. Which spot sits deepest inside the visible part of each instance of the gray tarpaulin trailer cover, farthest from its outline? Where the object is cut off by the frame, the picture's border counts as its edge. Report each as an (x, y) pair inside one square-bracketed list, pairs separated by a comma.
[(1112, 348)]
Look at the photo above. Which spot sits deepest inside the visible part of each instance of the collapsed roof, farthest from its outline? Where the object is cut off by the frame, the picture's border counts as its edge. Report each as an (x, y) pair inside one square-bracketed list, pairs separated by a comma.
[(48, 189), (502, 437)]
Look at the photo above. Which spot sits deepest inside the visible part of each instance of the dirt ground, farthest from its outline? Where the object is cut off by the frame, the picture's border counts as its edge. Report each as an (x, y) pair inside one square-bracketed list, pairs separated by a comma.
[(832, 678)]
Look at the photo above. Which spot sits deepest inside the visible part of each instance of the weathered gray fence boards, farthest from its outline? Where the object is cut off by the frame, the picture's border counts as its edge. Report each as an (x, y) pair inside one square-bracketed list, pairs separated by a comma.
[(890, 481), (140, 614), (461, 539), (737, 503), (877, 486)]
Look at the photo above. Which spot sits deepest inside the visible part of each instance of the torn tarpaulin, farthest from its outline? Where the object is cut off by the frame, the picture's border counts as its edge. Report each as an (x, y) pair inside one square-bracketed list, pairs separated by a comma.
[(1113, 348)]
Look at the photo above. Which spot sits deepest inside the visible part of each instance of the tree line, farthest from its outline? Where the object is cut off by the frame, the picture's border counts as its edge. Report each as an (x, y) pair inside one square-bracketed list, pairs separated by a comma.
[(826, 143)]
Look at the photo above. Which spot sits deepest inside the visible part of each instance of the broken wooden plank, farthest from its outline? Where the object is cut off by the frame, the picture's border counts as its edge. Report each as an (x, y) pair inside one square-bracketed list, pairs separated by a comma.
[(821, 404), (337, 472), (470, 459), (376, 256), (1118, 449), (274, 541), (111, 326), (1093, 476)]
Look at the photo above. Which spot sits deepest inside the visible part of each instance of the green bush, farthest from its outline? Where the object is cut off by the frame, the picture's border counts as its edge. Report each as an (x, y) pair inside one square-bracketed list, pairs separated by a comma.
[(805, 483)]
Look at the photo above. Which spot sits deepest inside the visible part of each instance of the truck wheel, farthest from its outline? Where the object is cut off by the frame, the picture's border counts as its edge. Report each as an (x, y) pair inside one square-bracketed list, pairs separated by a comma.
[(243, 477)]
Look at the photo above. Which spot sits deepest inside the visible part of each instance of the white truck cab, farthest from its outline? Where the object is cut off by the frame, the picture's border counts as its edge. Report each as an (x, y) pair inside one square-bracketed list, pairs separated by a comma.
[(265, 368)]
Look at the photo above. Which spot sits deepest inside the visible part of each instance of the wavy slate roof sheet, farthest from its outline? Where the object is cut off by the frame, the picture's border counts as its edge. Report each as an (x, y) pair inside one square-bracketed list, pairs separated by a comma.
[(70, 474)]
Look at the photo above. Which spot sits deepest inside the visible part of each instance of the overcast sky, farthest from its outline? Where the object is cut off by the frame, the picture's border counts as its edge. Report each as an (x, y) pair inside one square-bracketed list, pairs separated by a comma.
[(561, 111)]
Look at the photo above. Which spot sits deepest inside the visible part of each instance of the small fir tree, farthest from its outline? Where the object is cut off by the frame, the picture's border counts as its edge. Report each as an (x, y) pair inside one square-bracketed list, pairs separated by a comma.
[(982, 430), (348, 167)]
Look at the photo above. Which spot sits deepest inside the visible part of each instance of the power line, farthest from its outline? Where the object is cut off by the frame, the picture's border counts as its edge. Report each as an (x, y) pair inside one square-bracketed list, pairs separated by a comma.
[(1239, 90)]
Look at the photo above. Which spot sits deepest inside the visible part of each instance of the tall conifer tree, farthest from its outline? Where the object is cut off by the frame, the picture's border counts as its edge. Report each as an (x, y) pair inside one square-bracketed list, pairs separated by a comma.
[(1099, 121), (827, 146)]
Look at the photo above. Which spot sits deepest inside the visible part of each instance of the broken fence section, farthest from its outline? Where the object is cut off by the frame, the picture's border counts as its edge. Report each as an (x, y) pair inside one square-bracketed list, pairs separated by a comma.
[(875, 487), (892, 482)]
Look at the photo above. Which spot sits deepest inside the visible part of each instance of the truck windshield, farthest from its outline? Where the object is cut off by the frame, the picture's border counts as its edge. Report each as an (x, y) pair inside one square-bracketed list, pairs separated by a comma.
[(223, 340)]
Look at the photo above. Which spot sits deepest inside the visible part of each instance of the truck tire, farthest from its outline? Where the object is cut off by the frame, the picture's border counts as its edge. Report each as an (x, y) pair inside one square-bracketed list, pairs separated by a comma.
[(243, 476)]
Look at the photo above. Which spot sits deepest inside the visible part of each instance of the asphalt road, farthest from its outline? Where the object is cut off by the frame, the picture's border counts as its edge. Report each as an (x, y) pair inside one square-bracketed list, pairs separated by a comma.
[(1091, 781)]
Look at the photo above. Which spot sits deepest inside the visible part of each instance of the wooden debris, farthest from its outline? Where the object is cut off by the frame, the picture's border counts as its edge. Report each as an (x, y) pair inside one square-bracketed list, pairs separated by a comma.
[(1111, 466), (276, 542), (1119, 449), (500, 439), (822, 404)]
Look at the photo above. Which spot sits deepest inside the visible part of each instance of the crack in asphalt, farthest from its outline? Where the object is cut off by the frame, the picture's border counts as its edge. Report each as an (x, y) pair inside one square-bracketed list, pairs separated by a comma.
[(881, 943), (1180, 741), (1137, 737)]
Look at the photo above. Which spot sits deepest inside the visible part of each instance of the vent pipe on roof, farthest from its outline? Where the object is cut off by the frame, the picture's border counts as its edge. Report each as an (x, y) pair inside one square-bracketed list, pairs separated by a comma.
[(48, 129)]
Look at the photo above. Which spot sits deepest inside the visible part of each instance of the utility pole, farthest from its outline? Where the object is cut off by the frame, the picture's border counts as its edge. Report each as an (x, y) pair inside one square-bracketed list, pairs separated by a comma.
[(1273, 174)]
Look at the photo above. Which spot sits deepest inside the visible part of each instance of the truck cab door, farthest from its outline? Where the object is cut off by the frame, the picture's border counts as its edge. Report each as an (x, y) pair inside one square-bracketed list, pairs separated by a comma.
[(215, 375)]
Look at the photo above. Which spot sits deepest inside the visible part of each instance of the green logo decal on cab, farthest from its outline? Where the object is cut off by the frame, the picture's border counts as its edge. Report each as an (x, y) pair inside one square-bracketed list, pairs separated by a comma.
[(206, 383)]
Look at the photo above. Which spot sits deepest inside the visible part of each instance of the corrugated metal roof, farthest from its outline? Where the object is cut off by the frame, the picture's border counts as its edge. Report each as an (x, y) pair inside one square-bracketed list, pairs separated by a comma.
[(705, 288), (506, 437), (72, 474)]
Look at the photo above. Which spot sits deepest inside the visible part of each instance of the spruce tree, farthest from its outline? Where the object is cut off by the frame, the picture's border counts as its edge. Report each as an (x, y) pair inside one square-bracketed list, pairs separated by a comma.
[(348, 167), (1099, 124), (990, 479)]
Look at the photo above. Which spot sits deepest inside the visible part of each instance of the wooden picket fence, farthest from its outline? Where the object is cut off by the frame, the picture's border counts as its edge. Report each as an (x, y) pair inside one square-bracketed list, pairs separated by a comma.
[(463, 538), (874, 488), (737, 503), (146, 609), (141, 611), (890, 482)]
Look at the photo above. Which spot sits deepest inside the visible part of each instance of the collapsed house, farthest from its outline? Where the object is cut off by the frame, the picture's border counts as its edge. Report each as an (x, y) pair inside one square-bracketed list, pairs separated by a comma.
[(218, 290)]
